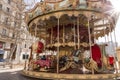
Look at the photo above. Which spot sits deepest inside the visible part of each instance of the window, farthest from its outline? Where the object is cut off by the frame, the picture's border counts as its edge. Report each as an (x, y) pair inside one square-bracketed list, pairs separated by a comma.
[(1, 45), (3, 31), (6, 20), (25, 45), (8, 9), (0, 6), (15, 24), (9, 1), (25, 56), (13, 36)]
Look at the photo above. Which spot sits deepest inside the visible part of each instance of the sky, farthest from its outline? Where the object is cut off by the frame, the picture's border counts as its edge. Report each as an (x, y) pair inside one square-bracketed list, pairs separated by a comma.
[(117, 28)]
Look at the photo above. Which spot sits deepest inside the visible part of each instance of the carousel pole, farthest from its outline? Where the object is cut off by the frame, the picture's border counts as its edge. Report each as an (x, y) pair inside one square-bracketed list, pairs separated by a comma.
[(103, 2), (51, 35), (103, 48), (74, 35), (116, 67), (115, 38), (28, 59), (36, 36), (78, 32), (108, 38), (94, 37), (63, 35), (90, 42), (35, 30), (115, 50), (104, 32), (98, 39), (45, 45), (58, 21)]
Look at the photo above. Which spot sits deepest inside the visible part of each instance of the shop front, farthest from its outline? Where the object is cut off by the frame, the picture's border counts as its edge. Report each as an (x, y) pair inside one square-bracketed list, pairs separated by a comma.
[(2, 51)]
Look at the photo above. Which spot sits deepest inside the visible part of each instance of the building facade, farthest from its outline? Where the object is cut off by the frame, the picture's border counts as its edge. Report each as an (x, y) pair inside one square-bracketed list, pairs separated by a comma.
[(14, 38)]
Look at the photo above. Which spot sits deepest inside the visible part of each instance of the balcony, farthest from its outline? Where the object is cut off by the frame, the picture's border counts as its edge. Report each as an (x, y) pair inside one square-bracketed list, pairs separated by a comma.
[(5, 37), (7, 25)]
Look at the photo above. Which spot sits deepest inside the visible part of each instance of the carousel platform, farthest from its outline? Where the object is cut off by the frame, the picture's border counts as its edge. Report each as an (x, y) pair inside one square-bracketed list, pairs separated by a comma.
[(45, 75)]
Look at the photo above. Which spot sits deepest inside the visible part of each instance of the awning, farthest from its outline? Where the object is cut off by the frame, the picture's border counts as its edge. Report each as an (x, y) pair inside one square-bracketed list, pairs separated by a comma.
[(2, 51)]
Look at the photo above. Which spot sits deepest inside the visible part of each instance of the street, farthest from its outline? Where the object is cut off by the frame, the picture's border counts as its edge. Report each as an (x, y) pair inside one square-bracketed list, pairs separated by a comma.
[(15, 75)]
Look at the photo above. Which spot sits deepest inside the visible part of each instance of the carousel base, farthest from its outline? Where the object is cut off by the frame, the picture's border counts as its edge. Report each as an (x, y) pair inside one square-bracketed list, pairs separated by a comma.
[(54, 76)]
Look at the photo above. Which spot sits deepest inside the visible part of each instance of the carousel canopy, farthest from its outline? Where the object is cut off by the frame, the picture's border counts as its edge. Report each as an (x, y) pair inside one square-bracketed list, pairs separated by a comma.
[(45, 15)]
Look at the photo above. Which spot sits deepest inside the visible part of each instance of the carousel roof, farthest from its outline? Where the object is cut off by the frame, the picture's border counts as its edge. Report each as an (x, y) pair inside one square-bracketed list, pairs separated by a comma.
[(45, 14)]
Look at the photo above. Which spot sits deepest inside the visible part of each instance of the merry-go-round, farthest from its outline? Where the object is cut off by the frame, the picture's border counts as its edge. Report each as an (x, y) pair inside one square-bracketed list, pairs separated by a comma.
[(67, 48)]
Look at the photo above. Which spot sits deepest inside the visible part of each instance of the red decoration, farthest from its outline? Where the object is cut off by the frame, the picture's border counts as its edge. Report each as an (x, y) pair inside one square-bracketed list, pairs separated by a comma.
[(96, 54), (37, 47), (40, 47), (111, 60)]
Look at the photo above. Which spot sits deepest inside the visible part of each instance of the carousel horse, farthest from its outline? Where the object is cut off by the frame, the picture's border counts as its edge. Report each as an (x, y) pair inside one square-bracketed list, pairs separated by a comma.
[(77, 56), (88, 62), (91, 65), (62, 61), (72, 61), (77, 60), (67, 65)]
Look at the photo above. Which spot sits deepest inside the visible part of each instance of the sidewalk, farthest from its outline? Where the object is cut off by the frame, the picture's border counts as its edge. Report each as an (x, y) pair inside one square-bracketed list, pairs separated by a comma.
[(10, 70), (15, 67)]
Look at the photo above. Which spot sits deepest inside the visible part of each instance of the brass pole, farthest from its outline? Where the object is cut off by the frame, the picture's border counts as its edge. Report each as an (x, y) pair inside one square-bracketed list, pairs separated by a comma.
[(78, 32), (58, 46), (63, 34), (74, 36), (36, 31), (113, 49), (90, 42), (104, 33), (103, 48), (51, 35)]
